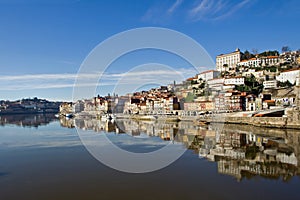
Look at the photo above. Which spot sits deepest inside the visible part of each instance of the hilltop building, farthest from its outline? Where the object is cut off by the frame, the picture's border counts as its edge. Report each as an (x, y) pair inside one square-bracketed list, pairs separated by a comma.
[(260, 61), (228, 62)]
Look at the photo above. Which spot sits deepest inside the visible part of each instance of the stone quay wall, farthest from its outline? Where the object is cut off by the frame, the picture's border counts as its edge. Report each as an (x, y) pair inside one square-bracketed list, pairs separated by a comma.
[(271, 122)]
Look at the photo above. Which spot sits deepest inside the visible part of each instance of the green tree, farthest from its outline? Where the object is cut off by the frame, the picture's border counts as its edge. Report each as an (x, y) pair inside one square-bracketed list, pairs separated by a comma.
[(251, 86), (285, 49), (285, 84), (190, 98)]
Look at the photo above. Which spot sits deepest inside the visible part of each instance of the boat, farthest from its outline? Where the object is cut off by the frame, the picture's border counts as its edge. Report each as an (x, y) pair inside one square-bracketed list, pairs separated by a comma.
[(107, 117), (68, 115), (147, 117)]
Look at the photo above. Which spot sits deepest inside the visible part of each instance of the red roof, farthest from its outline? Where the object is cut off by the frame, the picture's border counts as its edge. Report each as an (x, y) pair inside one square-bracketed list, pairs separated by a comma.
[(208, 71), (272, 56), (289, 70)]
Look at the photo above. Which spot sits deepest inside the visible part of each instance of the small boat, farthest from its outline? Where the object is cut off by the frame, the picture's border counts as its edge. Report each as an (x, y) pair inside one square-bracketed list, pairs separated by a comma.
[(69, 115), (107, 117), (147, 117)]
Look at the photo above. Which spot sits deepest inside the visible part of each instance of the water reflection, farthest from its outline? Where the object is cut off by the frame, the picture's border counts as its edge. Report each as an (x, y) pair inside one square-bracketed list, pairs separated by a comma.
[(239, 151), (29, 120)]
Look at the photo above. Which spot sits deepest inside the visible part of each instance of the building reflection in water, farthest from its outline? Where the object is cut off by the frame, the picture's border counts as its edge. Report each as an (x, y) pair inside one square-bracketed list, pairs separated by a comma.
[(239, 151), (29, 120)]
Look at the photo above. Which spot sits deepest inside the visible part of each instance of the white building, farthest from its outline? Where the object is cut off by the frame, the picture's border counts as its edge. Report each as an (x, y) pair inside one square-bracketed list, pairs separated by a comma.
[(289, 75), (78, 107), (260, 61), (270, 84), (216, 84), (231, 60), (290, 56), (253, 62), (234, 81), (208, 75), (269, 60)]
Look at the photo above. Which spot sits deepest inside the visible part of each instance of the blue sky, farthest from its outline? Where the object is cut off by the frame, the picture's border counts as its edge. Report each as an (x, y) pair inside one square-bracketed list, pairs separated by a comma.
[(43, 43)]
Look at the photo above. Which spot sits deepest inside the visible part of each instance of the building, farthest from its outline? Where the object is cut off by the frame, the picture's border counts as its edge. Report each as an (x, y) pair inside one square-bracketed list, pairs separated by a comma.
[(66, 108), (270, 84), (235, 81), (199, 106), (230, 101), (260, 61), (78, 107), (250, 102), (290, 57), (216, 84), (208, 75), (288, 75), (252, 62), (228, 62)]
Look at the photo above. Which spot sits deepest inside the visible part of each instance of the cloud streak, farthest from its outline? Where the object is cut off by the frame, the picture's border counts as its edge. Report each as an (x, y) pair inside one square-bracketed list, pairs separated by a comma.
[(193, 11), (55, 81), (212, 10), (175, 6)]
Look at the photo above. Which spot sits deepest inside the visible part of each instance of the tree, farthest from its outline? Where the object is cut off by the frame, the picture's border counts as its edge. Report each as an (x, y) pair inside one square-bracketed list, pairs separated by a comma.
[(247, 55), (269, 53), (251, 86), (254, 51), (285, 49), (190, 98), (202, 85), (285, 84)]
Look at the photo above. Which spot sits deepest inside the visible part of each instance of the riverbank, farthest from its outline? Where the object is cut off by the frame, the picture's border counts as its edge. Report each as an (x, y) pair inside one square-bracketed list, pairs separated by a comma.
[(268, 122), (243, 118)]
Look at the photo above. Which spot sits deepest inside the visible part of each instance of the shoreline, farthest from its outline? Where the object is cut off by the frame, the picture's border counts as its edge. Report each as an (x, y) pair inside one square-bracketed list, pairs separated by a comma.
[(266, 122), (226, 118)]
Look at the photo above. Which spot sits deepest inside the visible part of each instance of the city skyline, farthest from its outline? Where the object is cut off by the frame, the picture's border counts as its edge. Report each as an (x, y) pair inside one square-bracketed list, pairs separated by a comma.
[(44, 43)]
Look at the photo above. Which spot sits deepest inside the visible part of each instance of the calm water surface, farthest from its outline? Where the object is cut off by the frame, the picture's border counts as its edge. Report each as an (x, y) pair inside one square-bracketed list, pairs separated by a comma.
[(43, 158)]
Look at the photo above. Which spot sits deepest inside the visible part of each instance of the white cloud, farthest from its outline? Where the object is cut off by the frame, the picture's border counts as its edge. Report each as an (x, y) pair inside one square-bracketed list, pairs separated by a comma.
[(50, 81), (175, 6), (201, 10), (215, 9)]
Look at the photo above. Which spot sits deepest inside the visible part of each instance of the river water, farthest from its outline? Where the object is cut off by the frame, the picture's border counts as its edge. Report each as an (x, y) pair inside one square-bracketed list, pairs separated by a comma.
[(43, 158)]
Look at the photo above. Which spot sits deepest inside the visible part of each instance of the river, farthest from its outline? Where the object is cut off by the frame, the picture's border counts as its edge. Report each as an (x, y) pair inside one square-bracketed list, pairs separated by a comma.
[(43, 158)]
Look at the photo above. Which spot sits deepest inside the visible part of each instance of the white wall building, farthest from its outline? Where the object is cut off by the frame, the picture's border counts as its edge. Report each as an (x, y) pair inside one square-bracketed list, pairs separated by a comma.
[(216, 84), (261, 61), (230, 59), (208, 75), (289, 75), (270, 84), (234, 81)]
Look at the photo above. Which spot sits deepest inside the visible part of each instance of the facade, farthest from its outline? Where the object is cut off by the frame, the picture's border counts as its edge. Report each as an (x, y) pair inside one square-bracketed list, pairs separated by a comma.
[(234, 81), (250, 102), (270, 84), (216, 84), (260, 61), (230, 101), (228, 62), (253, 62), (289, 75), (199, 106), (66, 108), (78, 107), (208, 75), (290, 56)]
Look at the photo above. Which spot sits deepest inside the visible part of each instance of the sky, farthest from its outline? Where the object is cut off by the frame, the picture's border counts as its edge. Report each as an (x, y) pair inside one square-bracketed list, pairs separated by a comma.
[(43, 43)]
